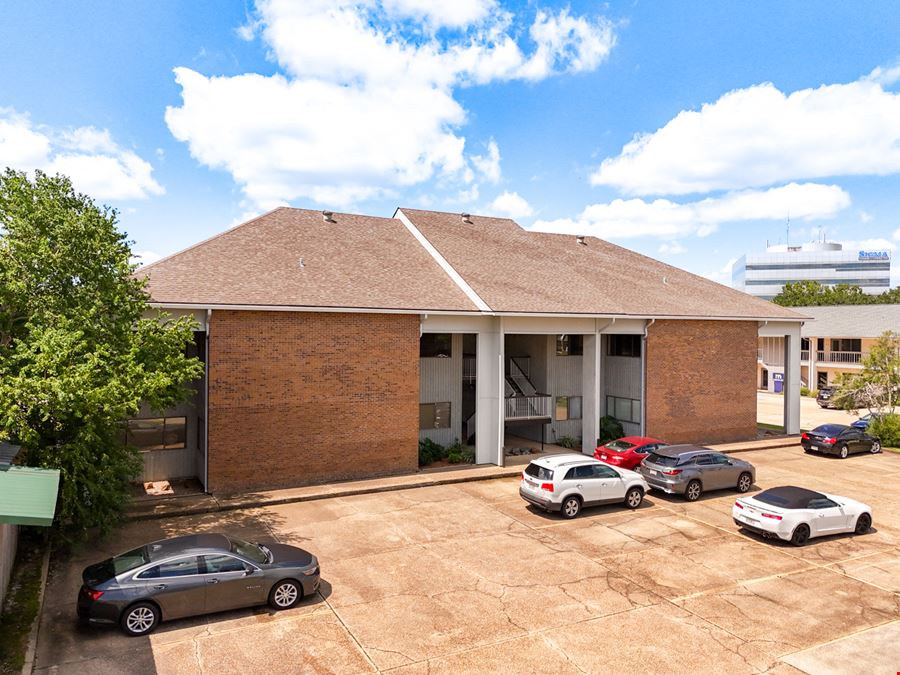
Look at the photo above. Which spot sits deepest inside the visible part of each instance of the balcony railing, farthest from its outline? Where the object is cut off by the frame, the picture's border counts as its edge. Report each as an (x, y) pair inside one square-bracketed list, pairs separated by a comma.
[(839, 357), (804, 355), (469, 366), (528, 407)]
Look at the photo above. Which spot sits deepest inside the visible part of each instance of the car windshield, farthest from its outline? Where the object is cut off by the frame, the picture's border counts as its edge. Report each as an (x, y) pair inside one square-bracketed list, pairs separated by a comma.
[(829, 430), (255, 552), (619, 446), (130, 560), (539, 472), (662, 460)]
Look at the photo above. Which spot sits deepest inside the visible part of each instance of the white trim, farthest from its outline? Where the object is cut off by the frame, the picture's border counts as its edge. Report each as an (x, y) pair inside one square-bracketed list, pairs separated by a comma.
[(459, 312), (442, 261)]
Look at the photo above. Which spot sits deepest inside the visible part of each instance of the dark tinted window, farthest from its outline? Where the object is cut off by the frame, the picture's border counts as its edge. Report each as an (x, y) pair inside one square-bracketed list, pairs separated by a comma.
[(248, 550), (605, 472), (584, 471), (222, 563), (619, 446), (435, 344), (624, 345), (662, 460), (701, 460), (539, 472), (180, 567), (851, 433), (821, 503), (128, 561), (829, 430), (720, 459)]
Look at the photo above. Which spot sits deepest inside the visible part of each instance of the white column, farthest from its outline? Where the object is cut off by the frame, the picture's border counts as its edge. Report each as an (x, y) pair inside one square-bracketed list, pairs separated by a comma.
[(590, 394), (812, 370), (489, 395), (792, 381)]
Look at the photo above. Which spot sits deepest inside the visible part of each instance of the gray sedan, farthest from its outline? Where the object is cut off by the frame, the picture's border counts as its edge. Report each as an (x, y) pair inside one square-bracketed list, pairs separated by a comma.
[(691, 470), (195, 574)]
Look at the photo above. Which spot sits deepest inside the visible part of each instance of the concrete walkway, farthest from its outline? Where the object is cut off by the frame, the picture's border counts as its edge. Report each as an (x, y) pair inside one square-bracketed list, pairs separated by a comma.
[(168, 507)]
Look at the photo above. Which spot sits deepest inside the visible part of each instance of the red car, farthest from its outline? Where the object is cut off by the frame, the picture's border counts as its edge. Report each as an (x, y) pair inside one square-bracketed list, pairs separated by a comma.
[(627, 452)]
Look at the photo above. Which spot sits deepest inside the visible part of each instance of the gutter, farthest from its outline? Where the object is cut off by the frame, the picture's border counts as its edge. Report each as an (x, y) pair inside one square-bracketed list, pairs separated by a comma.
[(206, 405)]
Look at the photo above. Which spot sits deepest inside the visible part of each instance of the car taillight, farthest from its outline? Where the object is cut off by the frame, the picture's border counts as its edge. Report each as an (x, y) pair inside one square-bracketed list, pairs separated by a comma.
[(547, 486), (524, 475), (672, 472), (771, 515), (92, 594), (739, 505), (804, 436), (830, 441)]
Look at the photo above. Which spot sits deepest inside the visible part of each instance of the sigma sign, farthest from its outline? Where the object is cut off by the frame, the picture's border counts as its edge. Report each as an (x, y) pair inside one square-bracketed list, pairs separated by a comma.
[(874, 255)]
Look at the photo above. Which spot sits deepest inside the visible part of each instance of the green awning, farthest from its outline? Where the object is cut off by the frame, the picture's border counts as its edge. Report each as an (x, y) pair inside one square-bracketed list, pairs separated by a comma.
[(28, 495)]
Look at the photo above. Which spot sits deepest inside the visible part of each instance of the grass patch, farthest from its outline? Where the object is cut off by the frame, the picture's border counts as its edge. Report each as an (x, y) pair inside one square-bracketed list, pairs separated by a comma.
[(770, 427), (897, 450), (21, 604)]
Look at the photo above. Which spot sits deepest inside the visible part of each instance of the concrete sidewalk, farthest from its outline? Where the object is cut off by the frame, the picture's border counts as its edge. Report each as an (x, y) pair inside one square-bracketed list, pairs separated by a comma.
[(168, 507)]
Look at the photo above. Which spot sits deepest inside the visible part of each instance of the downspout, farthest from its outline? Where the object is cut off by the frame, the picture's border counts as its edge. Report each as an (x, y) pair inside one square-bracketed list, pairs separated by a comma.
[(644, 377), (206, 406)]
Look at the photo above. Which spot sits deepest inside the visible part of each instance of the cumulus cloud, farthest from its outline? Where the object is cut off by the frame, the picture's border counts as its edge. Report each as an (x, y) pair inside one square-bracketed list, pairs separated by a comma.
[(722, 275), (760, 136), (671, 248), (511, 205), (365, 100), (97, 165), (144, 257), (620, 218)]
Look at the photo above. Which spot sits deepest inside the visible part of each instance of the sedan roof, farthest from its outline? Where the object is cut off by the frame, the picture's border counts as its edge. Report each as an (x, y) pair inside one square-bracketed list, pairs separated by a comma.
[(788, 497), (192, 542)]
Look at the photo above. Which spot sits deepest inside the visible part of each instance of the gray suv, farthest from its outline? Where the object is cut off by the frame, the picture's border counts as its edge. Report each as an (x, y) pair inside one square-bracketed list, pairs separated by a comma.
[(691, 470)]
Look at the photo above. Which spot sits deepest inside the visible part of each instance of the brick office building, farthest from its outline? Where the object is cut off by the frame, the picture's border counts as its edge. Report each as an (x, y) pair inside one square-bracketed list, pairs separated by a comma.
[(334, 342)]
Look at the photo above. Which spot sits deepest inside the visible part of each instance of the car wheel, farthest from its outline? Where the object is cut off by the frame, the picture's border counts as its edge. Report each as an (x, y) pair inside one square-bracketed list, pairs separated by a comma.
[(634, 498), (863, 523), (876, 447), (571, 507), (844, 451), (745, 481), (139, 619), (800, 536), (285, 594), (693, 491)]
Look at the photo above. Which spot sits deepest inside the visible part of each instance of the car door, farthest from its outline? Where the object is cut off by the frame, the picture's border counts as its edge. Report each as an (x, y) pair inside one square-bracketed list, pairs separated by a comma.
[(176, 585), (710, 472), (586, 482), (829, 516), (852, 438), (728, 472), (231, 583), (611, 483)]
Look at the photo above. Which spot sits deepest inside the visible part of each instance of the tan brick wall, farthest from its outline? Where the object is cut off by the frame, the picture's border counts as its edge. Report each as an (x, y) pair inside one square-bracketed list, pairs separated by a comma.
[(298, 398), (701, 381)]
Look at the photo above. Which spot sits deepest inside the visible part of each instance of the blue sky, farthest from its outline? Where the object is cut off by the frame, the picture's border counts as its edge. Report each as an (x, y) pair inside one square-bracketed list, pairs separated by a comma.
[(688, 131)]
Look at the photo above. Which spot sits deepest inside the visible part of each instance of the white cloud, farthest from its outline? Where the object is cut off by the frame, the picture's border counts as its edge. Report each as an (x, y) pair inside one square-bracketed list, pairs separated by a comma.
[(365, 101), (897, 235), (144, 257), (622, 219), (511, 205), (723, 275), (671, 248), (875, 244), (759, 136), (96, 164)]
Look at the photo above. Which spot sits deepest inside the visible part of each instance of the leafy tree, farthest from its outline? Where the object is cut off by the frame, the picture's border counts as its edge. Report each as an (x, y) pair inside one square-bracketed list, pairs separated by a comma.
[(877, 385), (812, 294), (80, 347)]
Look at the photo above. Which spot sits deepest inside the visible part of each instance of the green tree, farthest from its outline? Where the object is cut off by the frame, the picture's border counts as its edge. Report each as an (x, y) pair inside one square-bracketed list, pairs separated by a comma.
[(812, 294), (80, 348), (877, 385)]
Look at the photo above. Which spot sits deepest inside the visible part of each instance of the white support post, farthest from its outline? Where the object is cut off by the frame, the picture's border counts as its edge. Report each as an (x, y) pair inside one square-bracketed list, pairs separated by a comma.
[(489, 395), (590, 402), (792, 381)]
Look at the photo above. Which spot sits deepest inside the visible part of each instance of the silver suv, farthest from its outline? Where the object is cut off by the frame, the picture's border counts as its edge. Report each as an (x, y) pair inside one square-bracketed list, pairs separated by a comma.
[(691, 470), (567, 483)]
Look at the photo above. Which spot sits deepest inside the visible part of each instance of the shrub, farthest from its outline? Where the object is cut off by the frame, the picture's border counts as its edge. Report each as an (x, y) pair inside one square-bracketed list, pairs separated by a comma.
[(568, 442), (886, 429), (468, 454), (610, 429), (454, 457), (429, 452), (806, 391)]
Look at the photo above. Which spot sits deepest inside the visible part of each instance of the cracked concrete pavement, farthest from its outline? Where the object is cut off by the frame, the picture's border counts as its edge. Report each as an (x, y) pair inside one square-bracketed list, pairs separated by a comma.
[(467, 578)]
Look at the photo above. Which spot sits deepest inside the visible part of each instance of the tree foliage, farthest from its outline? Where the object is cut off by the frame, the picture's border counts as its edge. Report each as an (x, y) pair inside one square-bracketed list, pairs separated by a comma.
[(813, 294), (79, 345), (877, 386)]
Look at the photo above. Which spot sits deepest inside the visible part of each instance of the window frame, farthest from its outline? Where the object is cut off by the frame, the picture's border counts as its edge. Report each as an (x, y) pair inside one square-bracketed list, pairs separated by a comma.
[(435, 416), (626, 345), (436, 351), (635, 405), (164, 445)]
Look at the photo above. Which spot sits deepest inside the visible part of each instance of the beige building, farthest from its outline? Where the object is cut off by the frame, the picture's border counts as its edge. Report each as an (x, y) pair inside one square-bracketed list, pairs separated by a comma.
[(834, 340)]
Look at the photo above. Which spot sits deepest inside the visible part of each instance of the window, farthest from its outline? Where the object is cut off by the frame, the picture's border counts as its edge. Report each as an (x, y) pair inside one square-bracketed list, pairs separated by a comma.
[(180, 567), (157, 433), (821, 503), (584, 471), (846, 345), (624, 409), (804, 344), (434, 415), (437, 345), (623, 345), (568, 408), (219, 564), (539, 472), (569, 345), (605, 472), (720, 459)]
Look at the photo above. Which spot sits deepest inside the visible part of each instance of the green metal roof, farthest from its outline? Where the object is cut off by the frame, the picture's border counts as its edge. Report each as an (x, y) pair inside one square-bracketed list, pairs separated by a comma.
[(28, 495)]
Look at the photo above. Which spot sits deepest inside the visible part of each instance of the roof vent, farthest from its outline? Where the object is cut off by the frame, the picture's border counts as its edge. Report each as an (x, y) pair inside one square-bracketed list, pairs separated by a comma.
[(327, 216), (580, 240), (467, 218)]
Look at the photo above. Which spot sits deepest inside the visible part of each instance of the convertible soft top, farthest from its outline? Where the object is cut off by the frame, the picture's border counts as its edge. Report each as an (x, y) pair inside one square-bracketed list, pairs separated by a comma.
[(788, 497)]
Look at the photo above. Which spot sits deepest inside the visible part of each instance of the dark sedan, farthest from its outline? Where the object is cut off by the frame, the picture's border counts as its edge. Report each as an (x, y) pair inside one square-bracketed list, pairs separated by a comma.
[(839, 439), (195, 574)]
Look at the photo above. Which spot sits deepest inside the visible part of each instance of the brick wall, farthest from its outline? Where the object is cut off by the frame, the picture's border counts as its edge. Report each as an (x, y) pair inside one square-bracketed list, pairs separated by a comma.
[(701, 381), (298, 398)]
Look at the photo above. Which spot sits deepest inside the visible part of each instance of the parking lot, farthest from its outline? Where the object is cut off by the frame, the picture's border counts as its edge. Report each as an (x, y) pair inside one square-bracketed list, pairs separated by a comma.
[(467, 578)]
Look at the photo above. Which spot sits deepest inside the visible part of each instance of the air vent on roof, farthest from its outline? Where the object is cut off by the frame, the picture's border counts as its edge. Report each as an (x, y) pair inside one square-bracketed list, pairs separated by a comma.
[(466, 218), (327, 216), (580, 240)]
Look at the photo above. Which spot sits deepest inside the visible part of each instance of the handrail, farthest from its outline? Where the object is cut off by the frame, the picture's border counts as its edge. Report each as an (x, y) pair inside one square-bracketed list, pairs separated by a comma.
[(535, 406)]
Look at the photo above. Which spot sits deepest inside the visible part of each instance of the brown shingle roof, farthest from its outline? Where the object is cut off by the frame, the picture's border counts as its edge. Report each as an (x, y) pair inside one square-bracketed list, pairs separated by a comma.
[(355, 262), (514, 270)]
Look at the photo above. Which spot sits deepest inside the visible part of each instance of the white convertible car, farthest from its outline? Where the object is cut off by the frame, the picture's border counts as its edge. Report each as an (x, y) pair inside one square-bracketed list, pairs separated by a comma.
[(796, 514)]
